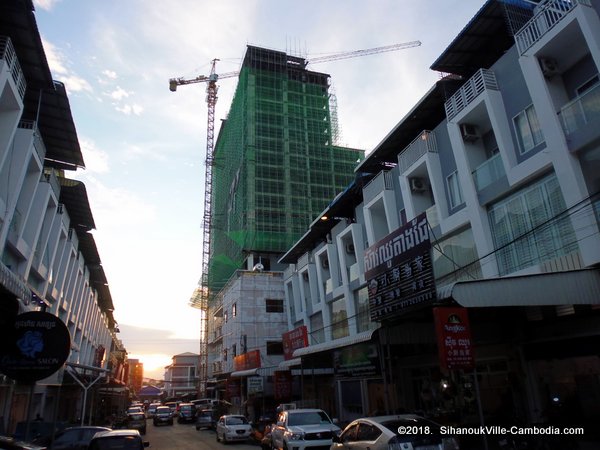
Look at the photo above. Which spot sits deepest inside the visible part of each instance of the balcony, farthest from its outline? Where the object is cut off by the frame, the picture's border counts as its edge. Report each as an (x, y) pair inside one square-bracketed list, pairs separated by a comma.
[(543, 21), (38, 143), (381, 182), (488, 172), (423, 143), (478, 83), (581, 111), (432, 215), (8, 54)]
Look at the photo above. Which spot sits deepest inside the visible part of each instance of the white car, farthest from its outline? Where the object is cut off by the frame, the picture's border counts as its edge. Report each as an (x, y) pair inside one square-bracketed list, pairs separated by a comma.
[(402, 432), (303, 429), (233, 428)]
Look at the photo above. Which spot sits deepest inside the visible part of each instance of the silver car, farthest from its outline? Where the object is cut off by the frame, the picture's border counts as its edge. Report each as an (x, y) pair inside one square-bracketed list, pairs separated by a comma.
[(233, 428)]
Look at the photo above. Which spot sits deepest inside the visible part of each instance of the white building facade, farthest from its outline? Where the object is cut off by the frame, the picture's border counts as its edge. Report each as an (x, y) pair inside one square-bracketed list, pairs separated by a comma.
[(48, 258), (502, 156)]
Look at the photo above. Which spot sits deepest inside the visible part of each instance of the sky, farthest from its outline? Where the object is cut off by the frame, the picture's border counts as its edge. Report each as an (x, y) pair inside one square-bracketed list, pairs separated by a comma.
[(144, 147)]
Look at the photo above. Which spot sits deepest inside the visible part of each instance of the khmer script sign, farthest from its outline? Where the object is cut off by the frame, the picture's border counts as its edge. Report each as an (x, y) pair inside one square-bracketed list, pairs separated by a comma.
[(399, 272)]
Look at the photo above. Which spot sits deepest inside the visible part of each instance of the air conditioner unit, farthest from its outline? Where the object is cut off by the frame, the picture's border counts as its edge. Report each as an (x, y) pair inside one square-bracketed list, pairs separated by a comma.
[(549, 66), (469, 132), (350, 249), (417, 184)]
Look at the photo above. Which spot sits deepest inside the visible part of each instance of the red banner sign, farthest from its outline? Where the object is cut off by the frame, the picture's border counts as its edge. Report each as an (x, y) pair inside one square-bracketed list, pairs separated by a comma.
[(246, 361), (454, 338), (293, 340), (282, 385)]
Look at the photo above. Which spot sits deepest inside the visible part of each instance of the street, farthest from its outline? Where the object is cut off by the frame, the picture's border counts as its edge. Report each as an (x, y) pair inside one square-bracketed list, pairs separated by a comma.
[(185, 437)]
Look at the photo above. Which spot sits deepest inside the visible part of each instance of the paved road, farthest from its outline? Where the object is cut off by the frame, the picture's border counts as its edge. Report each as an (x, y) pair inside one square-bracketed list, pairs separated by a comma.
[(185, 437)]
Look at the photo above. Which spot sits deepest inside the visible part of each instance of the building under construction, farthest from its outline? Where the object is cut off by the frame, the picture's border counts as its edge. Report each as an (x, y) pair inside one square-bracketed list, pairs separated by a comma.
[(275, 164)]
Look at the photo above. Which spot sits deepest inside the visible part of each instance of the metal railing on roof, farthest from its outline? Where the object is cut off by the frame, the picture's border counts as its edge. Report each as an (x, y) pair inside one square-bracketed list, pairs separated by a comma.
[(8, 54), (547, 16), (482, 79), (423, 143)]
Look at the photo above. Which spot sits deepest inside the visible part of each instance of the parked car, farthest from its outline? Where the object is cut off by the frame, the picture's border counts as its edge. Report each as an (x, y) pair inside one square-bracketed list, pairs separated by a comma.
[(72, 438), (118, 439), (152, 409), (134, 409), (233, 428), (187, 413), (173, 407), (381, 433), (304, 428), (136, 421), (162, 415), (10, 443), (37, 430), (206, 418)]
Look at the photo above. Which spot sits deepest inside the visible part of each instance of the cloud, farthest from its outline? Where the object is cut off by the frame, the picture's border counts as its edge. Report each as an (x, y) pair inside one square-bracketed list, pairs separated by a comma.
[(110, 74), (118, 94), (45, 4), (59, 66), (128, 110), (96, 160)]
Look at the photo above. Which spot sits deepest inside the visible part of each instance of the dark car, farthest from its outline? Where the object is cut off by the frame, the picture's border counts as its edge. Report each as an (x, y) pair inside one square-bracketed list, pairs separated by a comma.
[(72, 438), (136, 421), (206, 418), (187, 413), (162, 415), (118, 440), (10, 443)]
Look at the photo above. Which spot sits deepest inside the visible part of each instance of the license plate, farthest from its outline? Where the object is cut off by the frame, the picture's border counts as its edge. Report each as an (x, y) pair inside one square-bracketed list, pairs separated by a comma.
[(428, 447)]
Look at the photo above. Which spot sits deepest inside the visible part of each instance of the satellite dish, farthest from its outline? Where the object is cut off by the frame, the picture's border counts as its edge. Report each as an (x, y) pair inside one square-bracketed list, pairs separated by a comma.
[(258, 267)]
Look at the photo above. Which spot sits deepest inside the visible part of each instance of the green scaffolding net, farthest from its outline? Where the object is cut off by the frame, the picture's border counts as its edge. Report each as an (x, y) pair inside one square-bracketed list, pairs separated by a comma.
[(275, 165)]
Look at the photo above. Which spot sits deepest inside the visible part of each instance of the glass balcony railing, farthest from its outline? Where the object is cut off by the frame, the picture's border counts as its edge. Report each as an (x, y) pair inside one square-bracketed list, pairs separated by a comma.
[(488, 172), (581, 111), (353, 272)]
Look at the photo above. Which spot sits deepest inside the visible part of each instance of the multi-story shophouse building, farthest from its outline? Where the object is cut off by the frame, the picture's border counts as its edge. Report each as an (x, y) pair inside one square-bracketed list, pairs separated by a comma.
[(484, 197), (276, 165), (49, 260), (181, 376)]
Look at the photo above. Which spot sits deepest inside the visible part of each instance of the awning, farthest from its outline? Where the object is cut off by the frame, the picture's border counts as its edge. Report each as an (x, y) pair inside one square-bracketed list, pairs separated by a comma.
[(260, 371), (285, 365), (337, 343), (574, 287)]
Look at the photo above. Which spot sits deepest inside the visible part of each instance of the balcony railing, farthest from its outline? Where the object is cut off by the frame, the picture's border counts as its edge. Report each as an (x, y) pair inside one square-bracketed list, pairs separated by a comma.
[(478, 83), (433, 218), (488, 172), (38, 143), (50, 177), (381, 182), (423, 143), (8, 54), (581, 111), (544, 20)]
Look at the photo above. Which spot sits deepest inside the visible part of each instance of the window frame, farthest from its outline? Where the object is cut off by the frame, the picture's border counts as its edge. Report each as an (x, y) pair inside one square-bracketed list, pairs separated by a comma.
[(523, 148), (276, 306), (454, 202)]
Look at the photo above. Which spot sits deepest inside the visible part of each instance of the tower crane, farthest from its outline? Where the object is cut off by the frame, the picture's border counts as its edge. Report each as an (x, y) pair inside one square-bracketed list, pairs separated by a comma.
[(200, 298)]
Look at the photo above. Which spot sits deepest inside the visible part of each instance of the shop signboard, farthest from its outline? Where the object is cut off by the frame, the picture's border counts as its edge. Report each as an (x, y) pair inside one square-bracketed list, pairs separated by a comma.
[(293, 340), (282, 385), (254, 385), (232, 388), (247, 361), (34, 347), (399, 272), (358, 360), (454, 338)]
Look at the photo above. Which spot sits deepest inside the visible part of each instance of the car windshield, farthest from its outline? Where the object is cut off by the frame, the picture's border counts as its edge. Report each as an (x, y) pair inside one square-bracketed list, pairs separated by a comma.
[(186, 408), (117, 443), (308, 418), (237, 420), (163, 410)]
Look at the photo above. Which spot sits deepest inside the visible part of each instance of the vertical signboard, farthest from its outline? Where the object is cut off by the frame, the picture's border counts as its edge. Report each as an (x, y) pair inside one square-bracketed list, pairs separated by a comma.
[(454, 338), (398, 270), (293, 340), (282, 385)]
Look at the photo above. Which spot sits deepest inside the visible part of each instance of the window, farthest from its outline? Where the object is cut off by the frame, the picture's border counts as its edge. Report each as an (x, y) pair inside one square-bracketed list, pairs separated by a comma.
[(274, 305), (225, 316), (527, 127), (225, 354), (363, 318), (454, 190), (339, 319), (530, 227), (234, 310), (234, 350), (588, 85), (274, 348)]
